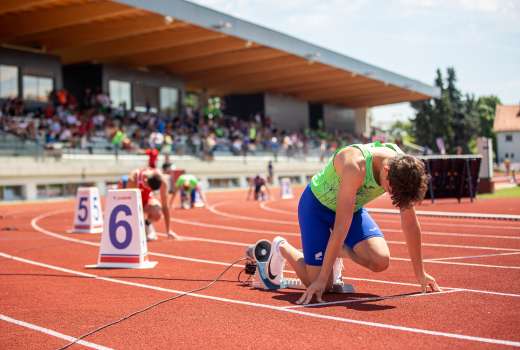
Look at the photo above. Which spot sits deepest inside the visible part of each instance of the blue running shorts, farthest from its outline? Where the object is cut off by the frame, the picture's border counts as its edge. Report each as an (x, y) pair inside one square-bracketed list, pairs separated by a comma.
[(317, 221)]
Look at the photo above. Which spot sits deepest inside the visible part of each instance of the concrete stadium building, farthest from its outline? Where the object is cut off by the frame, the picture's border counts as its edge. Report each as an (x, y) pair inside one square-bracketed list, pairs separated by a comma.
[(152, 53)]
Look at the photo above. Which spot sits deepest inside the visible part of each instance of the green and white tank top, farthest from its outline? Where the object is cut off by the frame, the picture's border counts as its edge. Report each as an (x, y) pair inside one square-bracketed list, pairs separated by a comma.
[(325, 184)]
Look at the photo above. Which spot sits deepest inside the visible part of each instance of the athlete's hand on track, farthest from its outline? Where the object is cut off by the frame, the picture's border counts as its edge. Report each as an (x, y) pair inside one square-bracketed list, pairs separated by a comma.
[(316, 288), (173, 235), (428, 281)]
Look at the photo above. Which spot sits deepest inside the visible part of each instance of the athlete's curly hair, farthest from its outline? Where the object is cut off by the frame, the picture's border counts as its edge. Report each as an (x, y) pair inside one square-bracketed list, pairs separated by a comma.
[(408, 180)]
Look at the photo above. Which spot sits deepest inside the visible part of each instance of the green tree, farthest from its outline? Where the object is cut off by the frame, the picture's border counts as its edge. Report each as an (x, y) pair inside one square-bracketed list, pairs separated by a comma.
[(451, 116), (486, 106)]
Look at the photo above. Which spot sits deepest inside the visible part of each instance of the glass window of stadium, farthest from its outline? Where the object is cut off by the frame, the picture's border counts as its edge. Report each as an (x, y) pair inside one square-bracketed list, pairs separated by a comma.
[(8, 81), (120, 93), (146, 98), (169, 99), (37, 88)]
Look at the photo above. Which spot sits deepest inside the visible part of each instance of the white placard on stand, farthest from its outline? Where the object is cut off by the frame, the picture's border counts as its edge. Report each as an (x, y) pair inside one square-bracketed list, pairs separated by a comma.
[(123, 241), (88, 216)]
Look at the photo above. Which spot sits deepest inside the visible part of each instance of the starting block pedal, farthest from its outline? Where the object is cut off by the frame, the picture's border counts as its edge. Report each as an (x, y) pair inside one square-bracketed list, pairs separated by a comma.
[(123, 240)]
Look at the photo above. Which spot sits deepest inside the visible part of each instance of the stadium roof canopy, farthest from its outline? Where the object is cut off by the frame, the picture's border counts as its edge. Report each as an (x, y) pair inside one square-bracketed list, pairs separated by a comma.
[(208, 49)]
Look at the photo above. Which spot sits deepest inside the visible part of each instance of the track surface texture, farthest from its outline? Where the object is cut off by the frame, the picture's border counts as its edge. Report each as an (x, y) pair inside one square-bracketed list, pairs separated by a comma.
[(48, 297)]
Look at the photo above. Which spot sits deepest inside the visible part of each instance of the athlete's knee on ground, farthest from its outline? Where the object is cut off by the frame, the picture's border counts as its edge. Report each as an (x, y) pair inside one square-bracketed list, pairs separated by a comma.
[(380, 262), (153, 211)]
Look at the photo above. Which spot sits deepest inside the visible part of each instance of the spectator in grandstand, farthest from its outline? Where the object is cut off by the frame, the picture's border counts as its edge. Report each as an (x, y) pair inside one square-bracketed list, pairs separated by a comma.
[(190, 192), (270, 172), (334, 224), (258, 185), (156, 140), (148, 181)]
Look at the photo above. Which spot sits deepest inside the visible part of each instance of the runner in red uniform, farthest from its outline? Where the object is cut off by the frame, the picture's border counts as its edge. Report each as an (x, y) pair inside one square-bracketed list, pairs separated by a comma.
[(148, 180)]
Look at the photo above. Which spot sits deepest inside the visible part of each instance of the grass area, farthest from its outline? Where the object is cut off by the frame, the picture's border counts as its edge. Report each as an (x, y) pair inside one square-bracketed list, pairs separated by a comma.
[(512, 192)]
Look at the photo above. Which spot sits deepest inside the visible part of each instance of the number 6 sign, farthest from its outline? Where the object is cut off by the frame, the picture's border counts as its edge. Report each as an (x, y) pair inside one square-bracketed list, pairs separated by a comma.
[(87, 214), (123, 240)]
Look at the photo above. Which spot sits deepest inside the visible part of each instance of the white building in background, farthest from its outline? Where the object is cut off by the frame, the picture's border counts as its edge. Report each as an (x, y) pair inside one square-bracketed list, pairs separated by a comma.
[(507, 129)]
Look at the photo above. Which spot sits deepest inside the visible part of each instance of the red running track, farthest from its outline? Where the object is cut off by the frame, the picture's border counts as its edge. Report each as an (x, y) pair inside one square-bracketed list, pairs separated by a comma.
[(47, 295)]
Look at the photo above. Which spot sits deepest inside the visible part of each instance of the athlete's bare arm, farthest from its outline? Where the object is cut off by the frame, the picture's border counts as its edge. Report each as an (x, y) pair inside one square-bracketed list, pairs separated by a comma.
[(251, 185), (173, 194), (132, 179), (163, 192), (412, 232), (349, 164)]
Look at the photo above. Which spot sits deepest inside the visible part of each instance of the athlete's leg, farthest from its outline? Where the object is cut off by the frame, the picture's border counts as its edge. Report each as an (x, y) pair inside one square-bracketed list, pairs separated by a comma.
[(192, 197), (315, 222), (365, 243), (372, 253), (306, 273), (295, 259), (153, 210)]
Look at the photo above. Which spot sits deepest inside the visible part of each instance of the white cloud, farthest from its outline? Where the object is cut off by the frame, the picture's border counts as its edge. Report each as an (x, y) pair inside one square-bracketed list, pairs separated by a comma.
[(511, 7)]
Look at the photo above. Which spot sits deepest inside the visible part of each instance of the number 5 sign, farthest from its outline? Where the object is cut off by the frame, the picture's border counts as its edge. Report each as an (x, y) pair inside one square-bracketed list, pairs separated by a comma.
[(123, 240), (88, 216)]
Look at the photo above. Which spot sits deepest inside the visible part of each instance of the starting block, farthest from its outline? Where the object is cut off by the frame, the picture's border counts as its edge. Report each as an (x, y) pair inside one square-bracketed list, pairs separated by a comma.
[(258, 259), (88, 215), (285, 188), (123, 240)]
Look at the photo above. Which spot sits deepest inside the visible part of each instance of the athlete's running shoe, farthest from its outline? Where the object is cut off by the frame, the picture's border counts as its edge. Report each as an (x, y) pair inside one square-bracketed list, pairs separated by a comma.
[(337, 270), (151, 235), (270, 262)]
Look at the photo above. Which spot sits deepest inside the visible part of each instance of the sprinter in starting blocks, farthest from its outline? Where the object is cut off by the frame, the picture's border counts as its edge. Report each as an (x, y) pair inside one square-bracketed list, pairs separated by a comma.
[(190, 192), (148, 181), (334, 223), (258, 186), (123, 240), (88, 216)]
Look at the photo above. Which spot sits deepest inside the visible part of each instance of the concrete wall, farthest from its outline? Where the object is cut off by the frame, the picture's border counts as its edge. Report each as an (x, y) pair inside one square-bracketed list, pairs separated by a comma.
[(363, 121), (32, 63), (339, 118), (156, 79), (102, 169), (287, 112), (152, 78)]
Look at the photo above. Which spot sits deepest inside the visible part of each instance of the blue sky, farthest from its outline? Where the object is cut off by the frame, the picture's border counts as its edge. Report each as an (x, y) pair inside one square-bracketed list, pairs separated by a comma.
[(480, 38)]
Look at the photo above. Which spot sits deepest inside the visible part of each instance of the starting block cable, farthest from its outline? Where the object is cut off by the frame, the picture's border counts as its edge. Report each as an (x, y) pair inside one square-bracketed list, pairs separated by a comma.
[(164, 301)]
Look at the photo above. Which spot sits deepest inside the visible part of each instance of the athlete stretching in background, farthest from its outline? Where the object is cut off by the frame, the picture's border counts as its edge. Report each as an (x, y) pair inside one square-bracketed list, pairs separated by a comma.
[(147, 181), (333, 222)]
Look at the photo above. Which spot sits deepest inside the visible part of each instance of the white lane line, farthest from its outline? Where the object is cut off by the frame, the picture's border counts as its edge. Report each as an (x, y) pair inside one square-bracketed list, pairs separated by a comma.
[(51, 332), (380, 298), (187, 222), (451, 214), (207, 240), (265, 207), (277, 308), (433, 261), (295, 223), (233, 228), (473, 256), (35, 225)]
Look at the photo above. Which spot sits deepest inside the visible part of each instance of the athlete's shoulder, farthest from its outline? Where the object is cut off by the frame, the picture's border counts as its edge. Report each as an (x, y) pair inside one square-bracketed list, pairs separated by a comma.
[(350, 161)]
